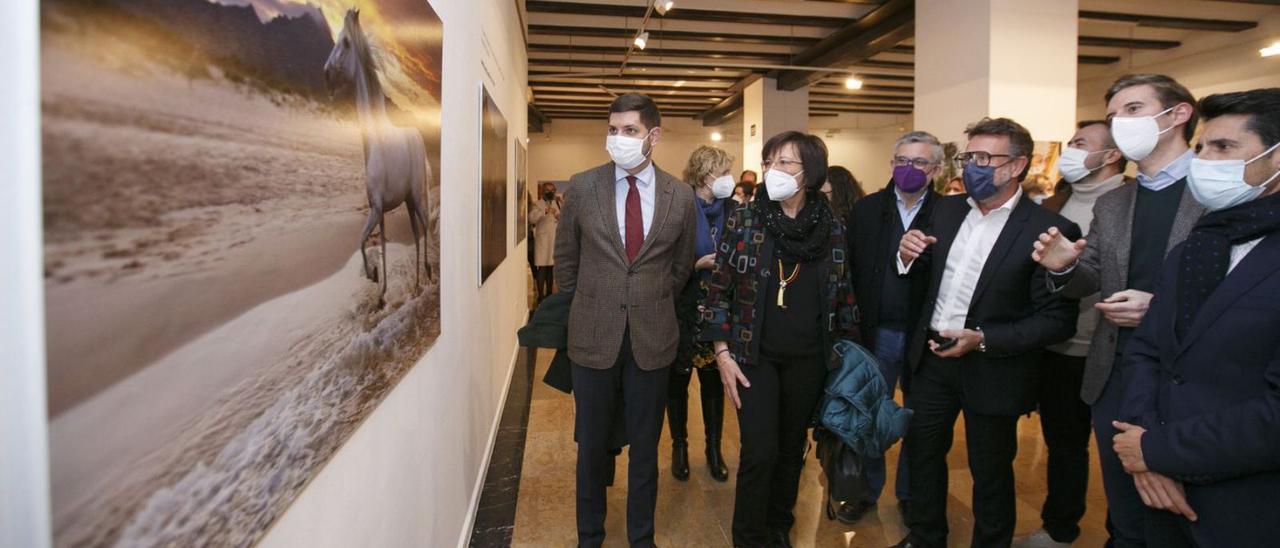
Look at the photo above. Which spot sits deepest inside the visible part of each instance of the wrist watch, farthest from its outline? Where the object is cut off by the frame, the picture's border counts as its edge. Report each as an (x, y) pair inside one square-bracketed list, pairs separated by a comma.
[(982, 339)]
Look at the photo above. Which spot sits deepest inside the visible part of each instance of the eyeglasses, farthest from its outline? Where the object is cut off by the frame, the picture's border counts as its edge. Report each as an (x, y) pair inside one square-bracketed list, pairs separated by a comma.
[(784, 165), (919, 163), (979, 158)]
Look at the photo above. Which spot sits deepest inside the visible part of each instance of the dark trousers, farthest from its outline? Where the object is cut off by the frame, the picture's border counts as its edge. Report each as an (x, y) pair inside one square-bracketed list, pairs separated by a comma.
[(597, 395), (1065, 422), (890, 345), (773, 423), (1126, 514), (1169, 530), (544, 280), (937, 398), (712, 395)]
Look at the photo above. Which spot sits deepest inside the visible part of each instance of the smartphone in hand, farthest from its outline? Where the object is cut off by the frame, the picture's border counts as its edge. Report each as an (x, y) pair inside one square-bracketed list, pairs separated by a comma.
[(944, 344)]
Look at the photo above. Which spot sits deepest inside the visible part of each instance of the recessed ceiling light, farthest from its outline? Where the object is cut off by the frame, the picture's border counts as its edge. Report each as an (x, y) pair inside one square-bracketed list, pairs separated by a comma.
[(852, 83), (716, 136), (1272, 50)]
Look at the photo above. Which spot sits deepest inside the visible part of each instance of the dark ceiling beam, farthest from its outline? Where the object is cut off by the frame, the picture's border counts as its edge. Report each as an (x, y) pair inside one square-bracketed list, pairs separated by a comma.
[(674, 75), (823, 95), (717, 114), (656, 49), (691, 82), (657, 91), (668, 34), (688, 14), (536, 119), (1097, 59), (865, 86), (1163, 22), (1126, 43), (605, 63), (876, 32), (876, 63), (858, 111), (1258, 2)]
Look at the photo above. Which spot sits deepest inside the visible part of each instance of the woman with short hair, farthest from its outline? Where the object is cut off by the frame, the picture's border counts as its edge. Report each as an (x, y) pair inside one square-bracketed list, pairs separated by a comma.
[(779, 298), (708, 173)]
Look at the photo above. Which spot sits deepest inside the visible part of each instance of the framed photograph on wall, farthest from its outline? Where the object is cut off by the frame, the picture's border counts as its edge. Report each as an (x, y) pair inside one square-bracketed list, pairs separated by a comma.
[(493, 185), (231, 287), (522, 192)]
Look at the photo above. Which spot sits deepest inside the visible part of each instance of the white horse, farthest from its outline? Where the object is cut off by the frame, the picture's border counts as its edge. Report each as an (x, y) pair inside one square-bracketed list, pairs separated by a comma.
[(395, 159)]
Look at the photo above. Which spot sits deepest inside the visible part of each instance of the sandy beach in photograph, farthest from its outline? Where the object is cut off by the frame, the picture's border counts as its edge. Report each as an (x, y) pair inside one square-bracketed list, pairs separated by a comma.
[(212, 335)]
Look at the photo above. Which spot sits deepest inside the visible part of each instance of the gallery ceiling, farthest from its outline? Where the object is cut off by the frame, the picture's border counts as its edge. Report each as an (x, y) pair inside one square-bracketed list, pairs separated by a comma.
[(700, 54)]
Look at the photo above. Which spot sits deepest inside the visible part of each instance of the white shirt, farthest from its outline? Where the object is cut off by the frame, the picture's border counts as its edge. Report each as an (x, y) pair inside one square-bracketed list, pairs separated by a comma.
[(648, 191), (968, 255), (1238, 253)]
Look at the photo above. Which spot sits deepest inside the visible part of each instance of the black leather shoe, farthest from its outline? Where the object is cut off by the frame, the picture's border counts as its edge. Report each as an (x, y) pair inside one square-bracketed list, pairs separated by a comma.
[(715, 462), (847, 513), (680, 460)]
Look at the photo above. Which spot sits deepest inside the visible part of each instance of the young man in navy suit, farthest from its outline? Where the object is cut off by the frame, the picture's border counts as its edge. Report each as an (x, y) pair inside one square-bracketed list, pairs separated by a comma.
[(1200, 423)]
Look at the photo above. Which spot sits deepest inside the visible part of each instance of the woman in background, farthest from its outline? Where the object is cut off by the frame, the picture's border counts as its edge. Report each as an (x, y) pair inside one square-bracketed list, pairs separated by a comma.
[(743, 193), (708, 173), (842, 190), (545, 216)]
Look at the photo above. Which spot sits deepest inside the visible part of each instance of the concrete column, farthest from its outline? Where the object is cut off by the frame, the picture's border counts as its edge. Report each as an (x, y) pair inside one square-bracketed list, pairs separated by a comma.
[(1011, 58), (768, 111)]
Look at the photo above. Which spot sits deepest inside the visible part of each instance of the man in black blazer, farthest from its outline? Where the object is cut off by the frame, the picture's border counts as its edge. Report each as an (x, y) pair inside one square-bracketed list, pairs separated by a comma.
[(876, 226), (1201, 374), (987, 316)]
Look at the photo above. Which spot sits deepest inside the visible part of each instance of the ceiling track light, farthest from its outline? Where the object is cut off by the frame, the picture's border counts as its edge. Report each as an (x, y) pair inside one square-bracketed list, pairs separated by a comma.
[(852, 82), (663, 6), (1272, 50), (642, 40)]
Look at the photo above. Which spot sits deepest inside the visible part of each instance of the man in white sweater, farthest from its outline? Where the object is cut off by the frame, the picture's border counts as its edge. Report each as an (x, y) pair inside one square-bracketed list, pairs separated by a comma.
[(1090, 166)]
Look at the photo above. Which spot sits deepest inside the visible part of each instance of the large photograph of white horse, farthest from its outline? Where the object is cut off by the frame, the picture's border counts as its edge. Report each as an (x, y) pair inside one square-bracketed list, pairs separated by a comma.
[(241, 250)]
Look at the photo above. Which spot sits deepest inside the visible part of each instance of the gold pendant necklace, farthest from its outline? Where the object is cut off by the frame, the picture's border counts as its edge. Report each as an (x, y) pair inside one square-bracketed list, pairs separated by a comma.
[(783, 281)]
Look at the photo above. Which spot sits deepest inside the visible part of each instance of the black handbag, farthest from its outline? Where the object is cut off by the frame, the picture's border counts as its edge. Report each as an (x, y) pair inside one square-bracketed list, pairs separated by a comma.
[(845, 472)]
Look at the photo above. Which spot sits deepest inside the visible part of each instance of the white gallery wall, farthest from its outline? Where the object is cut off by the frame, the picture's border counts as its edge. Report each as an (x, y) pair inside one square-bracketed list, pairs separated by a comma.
[(24, 470)]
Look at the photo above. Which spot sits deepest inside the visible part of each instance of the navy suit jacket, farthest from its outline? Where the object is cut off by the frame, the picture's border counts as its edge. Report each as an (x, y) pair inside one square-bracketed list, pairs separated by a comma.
[(1211, 402)]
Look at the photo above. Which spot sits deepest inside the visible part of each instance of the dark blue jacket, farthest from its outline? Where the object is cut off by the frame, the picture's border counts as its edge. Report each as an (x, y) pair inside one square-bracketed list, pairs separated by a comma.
[(1211, 402), (857, 406)]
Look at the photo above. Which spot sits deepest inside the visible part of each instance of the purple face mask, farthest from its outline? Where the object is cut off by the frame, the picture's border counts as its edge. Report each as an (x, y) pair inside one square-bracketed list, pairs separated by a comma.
[(909, 178)]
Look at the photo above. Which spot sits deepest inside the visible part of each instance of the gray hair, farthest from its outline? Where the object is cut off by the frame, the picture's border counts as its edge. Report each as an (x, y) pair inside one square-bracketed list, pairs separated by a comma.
[(921, 137)]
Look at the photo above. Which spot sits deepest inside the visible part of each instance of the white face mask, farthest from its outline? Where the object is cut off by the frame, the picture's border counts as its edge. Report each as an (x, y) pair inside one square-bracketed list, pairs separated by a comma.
[(1137, 137), (1072, 163), (627, 152), (781, 185), (1220, 184), (722, 187)]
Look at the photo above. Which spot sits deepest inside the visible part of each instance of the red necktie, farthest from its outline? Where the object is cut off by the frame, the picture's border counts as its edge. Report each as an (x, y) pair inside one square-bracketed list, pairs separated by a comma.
[(634, 221)]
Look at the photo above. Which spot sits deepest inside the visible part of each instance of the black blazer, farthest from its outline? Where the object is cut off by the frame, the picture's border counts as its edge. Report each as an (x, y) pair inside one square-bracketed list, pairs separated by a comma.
[(1011, 305), (1211, 401), (872, 251)]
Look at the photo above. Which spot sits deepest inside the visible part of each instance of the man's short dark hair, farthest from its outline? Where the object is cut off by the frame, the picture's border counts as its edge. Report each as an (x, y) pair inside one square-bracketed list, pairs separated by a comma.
[(1020, 143), (1262, 106), (638, 102), (812, 151), (1110, 142), (1168, 91)]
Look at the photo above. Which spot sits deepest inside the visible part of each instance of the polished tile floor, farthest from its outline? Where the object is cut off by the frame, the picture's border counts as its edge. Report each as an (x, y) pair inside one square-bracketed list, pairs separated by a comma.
[(699, 512)]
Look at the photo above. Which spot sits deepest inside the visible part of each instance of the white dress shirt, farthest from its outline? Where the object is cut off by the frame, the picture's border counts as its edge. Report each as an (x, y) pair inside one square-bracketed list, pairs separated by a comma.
[(648, 191), (1238, 252), (969, 252)]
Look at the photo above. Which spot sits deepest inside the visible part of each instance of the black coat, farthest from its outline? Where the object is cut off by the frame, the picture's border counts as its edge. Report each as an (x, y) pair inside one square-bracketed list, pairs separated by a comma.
[(1011, 305), (872, 248)]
